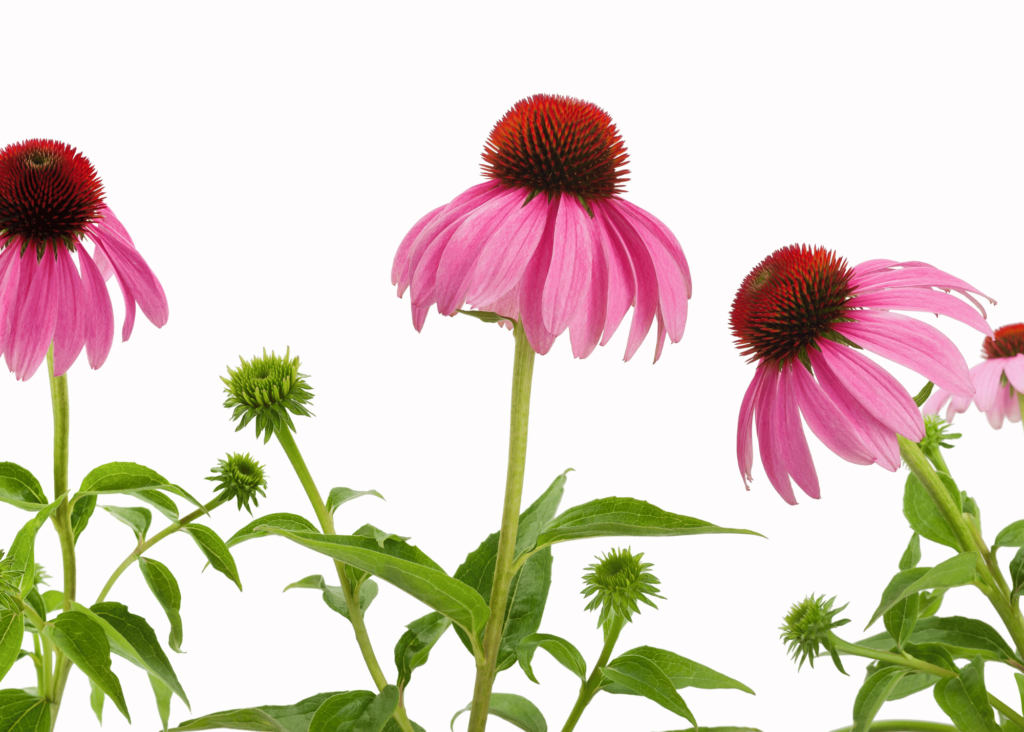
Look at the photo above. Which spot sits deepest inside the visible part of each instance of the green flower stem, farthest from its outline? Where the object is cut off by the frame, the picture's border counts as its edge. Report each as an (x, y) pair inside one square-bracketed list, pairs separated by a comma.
[(287, 441), (904, 725), (589, 690), (852, 649), (1006, 711), (38, 659), (146, 545), (1020, 401), (522, 380), (962, 529)]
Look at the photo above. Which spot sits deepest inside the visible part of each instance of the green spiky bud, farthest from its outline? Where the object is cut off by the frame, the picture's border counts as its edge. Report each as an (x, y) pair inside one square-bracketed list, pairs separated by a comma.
[(806, 628), (937, 434), (10, 582), (265, 389), (619, 581), (240, 477)]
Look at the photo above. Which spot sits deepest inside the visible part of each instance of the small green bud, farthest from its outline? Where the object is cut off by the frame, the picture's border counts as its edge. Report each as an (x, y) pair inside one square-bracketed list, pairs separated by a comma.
[(618, 580), (265, 389), (937, 434), (241, 478), (807, 626), (10, 582)]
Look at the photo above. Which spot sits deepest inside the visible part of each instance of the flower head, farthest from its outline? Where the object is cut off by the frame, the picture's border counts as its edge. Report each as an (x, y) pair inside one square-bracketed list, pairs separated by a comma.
[(547, 240), (240, 477), (618, 581), (805, 316), (51, 201), (998, 379), (806, 628), (10, 582), (266, 388)]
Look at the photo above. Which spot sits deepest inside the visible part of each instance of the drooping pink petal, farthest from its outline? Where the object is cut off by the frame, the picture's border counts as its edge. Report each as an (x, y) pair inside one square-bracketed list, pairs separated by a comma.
[(744, 429), (586, 328), (768, 437), (913, 344), (659, 345), (10, 274), (571, 263), (987, 377), (918, 276), (872, 265), (419, 317), (668, 239), (423, 284), (98, 313), (400, 265), (1014, 370), (791, 439), (33, 315), (826, 421), (1013, 407), (997, 410), (621, 281), (877, 437), (136, 279), (69, 334), (925, 301), (646, 305), (875, 388), (530, 293)]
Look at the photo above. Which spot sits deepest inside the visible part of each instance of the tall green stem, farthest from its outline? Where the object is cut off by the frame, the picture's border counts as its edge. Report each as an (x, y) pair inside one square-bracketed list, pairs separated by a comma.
[(326, 520), (522, 380), (1020, 401), (589, 689)]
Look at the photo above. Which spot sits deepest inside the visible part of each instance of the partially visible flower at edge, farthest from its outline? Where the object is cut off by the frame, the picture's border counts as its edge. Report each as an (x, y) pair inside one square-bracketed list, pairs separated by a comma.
[(804, 316), (240, 477), (998, 380), (548, 241), (51, 200)]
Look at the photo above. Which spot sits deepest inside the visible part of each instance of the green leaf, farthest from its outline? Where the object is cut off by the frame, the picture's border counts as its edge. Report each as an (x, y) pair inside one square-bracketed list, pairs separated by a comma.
[(922, 396), (23, 549), (216, 551), (96, 698), (286, 521), (165, 588), (356, 711), (23, 712), (486, 316), (52, 600), (12, 630), (642, 676), (873, 694), (20, 488), (131, 638), (334, 596), (1017, 573), (624, 517), (962, 637), (396, 563), (136, 519), (413, 648), (290, 718), (80, 515), (912, 556), (382, 537), (930, 603), (560, 649), (162, 692), (682, 672), (1012, 535), (1020, 687), (338, 496), (955, 572), (900, 619), (34, 600), (934, 653), (515, 710), (83, 641), (965, 700), (377, 715), (924, 516), (911, 684), (720, 729), (136, 480)]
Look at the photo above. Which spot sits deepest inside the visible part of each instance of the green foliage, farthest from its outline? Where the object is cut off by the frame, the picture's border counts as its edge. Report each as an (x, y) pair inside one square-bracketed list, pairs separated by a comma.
[(240, 477), (267, 389), (682, 672), (83, 641), (560, 649), (290, 718), (912, 556), (355, 711), (873, 694), (962, 637), (165, 588), (134, 480), (334, 596), (215, 550), (900, 618), (162, 692), (965, 700), (1017, 573), (22, 554), (286, 521), (81, 512), (642, 676), (23, 712), (136, 519), (924, 516), (12, 629), (1012, 535), (10, 583), (413, 648), (486, 316), (955, 572), (20, 488), (338, 496), (96, 699), (515, 710)]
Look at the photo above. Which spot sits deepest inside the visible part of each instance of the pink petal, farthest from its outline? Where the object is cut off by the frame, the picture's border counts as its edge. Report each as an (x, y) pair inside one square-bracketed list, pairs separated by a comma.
[(98, 315), (795, 453), (826, 421), (926, 301), (69, 334), (621, 281), (668, 239), (419, 317), (768, 437), (872, 265), (646, 304), (569, 274), (919, 275), (659, 345), (136, 279), (988, 376), (997, 411), (33, 315), (10, 274), (1013, 408), (744, 429), (1014, 370), (585, 330), (913, 344), (530, 294), (400, 265), (935, 402)]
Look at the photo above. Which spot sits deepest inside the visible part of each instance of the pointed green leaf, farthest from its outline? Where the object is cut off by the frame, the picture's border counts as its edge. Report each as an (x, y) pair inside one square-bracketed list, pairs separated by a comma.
[(35, 601), (930, 603), (290, 718), (356, 711), (80, 515), (515, 710), (643, 676), (162, 692), (23, 549), (395, 564), (380, 536), (136, 480), (682, 672), (873, 694), (20, 488), (933, 653), (413, 648), (560, 649), (487, 316), (1012, 535), (720, 729), (624, 517), (165, 588), (900, 619), (83, 641), (912, 556), (12, 630), (1017, 573), (955, 572), (23, 712), (334, 596), (338, 496), (963, 637), (286, 521), (216, 551), (53, 599), (924, 516), (965, 700), (136, 519), (911, 684), (96, 698)]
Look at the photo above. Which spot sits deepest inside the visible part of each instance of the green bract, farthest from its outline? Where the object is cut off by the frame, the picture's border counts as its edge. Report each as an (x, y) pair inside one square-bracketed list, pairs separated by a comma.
[(265, 389), (618, 581), (807, 626), (10, 579), (937, 434), (240, 477)]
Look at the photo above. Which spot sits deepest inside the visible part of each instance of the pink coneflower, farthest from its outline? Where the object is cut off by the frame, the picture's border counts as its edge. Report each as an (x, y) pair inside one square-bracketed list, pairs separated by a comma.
[(50, 200), (797, 314), (998, 380), (547, 240)]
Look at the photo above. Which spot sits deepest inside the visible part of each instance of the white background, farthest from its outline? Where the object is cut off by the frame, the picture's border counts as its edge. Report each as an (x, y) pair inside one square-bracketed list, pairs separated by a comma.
[(268, 159)]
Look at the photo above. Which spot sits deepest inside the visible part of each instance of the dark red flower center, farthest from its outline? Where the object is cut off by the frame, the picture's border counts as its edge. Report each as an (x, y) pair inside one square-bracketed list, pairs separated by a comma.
[(49, 192), (788, 301), (1009, 342), (554, 144)]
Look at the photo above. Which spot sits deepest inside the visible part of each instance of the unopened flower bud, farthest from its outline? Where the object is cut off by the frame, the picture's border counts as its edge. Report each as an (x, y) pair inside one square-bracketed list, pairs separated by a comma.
[(240, 477), (618, 581), (265, 389), (807, 626)]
